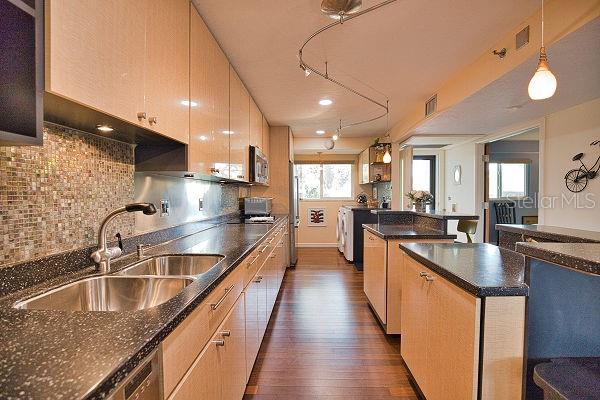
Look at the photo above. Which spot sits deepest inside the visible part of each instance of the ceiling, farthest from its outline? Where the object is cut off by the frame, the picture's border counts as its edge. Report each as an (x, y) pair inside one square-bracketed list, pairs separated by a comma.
[(404, 51), (505, 102)]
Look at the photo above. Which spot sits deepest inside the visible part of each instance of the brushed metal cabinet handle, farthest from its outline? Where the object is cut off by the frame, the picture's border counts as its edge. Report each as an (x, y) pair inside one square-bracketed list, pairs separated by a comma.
[(153, 120), (216, 305), (218, 342), (422, 274), (141, 116), (226, 333), (429, 278)]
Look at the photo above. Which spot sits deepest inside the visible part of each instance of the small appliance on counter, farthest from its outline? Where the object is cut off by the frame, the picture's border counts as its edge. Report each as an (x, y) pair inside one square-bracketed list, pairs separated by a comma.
[(257, 206), (259, 166)]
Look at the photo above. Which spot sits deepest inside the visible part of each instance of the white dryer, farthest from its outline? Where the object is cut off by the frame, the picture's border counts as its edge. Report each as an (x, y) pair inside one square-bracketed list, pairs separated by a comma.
[(348, 234), (339, 233)]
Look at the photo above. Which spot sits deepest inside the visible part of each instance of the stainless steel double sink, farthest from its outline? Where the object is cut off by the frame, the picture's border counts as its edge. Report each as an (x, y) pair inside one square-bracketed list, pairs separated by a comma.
[(142, 285)]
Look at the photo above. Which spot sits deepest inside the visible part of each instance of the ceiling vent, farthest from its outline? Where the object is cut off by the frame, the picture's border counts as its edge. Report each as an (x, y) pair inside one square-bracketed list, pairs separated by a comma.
[(431, 106), (522, 38)]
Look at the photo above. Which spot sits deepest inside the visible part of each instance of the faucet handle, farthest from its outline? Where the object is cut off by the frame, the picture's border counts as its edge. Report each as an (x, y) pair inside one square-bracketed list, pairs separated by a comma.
[(118, 236)]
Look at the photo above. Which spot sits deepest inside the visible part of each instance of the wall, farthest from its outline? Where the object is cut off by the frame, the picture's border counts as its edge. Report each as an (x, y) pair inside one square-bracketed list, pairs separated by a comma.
[(323, 236), (53, 196), (515, 149), (567, 133), (464, 196)]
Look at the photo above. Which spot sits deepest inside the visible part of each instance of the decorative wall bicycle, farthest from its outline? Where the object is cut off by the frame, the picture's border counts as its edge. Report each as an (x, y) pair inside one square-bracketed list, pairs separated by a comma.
[(577, 179)]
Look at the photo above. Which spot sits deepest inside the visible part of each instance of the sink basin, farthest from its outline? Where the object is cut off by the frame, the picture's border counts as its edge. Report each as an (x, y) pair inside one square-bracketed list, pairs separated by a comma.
[(190, 265), (108, 293)]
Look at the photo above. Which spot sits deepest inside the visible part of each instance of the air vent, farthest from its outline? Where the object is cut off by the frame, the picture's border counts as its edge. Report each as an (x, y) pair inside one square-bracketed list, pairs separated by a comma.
[(431, 106), (522, 38)]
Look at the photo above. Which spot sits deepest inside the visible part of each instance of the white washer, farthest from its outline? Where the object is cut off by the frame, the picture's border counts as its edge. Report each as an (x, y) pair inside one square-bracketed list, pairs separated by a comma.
[(348, 234), (339, 233)]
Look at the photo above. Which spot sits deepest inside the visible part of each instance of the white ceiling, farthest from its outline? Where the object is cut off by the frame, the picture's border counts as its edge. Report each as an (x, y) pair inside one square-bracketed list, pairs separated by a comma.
[(404, 51), (574, 60)]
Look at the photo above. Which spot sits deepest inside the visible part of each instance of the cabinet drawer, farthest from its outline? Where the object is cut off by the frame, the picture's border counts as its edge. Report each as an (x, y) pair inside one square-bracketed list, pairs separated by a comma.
[(184, 344)]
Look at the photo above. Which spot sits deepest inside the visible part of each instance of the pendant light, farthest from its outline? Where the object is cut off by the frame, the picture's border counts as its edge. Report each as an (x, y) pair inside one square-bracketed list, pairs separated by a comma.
[(387, 157), (543, 83)]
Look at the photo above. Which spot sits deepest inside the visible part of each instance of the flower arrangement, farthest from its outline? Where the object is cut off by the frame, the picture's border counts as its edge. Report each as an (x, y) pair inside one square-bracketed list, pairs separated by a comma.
[(419, 196)]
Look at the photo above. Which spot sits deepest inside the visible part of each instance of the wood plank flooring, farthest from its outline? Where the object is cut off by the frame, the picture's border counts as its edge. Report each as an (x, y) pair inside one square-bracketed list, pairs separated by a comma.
[(323, 341)]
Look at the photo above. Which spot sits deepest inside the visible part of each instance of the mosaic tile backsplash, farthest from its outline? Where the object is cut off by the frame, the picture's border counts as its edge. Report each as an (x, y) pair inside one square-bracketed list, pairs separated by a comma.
[(53, 197)]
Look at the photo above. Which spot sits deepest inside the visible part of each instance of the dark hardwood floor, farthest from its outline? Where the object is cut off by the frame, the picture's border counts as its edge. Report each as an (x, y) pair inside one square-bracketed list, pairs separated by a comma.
[(323, 341)]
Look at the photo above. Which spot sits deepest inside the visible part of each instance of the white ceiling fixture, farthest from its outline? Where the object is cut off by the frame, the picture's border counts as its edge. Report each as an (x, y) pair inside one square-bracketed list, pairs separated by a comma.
[(543, 83), (320, 132), (325, 102), (104, 128), (343, 10)]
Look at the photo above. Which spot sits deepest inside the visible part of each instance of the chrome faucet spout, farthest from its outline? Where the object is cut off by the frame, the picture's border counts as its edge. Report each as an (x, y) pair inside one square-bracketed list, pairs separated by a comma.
[(104, 254)]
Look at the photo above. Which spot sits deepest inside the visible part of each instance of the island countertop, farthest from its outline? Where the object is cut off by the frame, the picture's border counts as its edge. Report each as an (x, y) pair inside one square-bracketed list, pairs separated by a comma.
[(552, 233), (75, 355), (400, 231), (444, 215), (481, 269), (584, 257)]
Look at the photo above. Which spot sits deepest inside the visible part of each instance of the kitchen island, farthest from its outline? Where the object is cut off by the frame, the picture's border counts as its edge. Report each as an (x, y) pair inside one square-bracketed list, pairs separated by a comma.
[(463, 320)]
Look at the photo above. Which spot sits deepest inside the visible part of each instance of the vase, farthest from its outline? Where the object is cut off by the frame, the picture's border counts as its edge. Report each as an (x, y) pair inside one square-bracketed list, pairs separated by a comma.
[(420, 206)]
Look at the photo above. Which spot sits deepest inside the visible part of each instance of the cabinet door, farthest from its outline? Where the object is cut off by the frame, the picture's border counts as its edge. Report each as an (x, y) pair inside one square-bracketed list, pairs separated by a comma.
[(271, 280), (452, 341), (209, 102), (95, 52), (255, 125), (233, 355), (414, 322), (203, 379), (252, 321), (167, 75), (265, 136), (374, 273), (239, 127), (261, 298)]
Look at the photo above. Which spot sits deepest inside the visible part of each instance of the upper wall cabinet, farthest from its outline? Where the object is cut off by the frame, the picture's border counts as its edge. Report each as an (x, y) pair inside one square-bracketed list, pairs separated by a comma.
[(265, 136), (208, 151), (125, 58), (239, 128), (255, 125)]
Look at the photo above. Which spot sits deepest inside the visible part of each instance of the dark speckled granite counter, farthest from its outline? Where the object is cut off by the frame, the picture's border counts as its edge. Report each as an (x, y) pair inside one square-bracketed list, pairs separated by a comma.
[(580, 256), (552, 233), (73, 355), (429, 213), (390, 232), (479, 268), (569, 378)]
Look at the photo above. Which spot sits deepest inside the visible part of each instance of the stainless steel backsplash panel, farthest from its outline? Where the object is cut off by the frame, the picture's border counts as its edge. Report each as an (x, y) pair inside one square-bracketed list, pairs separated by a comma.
[(184, 197)]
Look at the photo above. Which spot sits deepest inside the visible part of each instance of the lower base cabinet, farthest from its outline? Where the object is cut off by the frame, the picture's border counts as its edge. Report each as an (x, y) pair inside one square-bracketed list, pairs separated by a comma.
[(222, 368), (443, 330)]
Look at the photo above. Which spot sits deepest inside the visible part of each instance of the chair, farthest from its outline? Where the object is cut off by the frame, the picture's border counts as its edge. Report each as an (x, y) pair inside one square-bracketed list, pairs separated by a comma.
[(505, 214), (468, 227)]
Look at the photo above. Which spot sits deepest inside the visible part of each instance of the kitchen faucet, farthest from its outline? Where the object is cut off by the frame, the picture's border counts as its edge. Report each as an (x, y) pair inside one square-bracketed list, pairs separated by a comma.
[(104, 254)]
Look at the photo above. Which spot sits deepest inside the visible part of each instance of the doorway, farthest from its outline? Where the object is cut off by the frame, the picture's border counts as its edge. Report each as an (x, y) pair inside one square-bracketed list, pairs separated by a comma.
[(424, 174)]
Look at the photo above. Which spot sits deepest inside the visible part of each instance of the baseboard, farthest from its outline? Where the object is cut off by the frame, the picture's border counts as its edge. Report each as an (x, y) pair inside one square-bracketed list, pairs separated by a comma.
[(317, 245)]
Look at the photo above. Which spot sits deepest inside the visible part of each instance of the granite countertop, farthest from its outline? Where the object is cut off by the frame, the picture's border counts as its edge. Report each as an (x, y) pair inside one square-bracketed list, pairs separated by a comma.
[(446, 215), (73, 355), (553, 233), (389, 232), (359, 207), (580, 256), (481, 269), (569, 378)]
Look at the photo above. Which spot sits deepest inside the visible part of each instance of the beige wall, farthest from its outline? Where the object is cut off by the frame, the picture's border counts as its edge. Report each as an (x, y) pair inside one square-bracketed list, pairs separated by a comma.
[(567, 133), (318, 236)]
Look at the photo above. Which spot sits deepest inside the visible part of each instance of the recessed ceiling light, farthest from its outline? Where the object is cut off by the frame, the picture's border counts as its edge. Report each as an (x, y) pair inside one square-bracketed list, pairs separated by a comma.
[(228, 132), (104, 128), (189, 103), (203, 138), (335, 137), (325, 102), (320, 132)]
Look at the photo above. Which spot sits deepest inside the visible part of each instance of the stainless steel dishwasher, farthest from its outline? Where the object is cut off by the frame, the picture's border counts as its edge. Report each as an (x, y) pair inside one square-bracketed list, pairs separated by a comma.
[(144, 383)]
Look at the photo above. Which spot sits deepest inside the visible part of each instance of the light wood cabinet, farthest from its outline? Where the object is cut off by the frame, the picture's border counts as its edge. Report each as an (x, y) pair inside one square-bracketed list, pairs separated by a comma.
[(443, 329), (374, 273), (95, 54), (220, 370), (208, 152), (122, 57), (239, 128), (167, 75), (256, 122), (266, 137)]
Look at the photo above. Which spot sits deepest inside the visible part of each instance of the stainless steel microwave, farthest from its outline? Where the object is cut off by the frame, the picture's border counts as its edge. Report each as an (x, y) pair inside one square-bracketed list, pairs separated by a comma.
[(259, 166)]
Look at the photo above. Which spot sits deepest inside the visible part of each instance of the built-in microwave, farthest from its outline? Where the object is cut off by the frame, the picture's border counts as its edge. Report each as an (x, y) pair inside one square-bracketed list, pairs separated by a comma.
[(259, 166), (21, 72)]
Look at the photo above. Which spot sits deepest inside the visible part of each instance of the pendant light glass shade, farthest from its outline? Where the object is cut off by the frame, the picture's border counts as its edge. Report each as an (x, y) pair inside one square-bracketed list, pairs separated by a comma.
[(543, 83), (387, 157)]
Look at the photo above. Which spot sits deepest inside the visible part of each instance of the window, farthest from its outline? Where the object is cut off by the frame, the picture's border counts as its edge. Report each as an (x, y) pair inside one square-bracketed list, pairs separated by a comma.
[(507, 180), (324, 181), (423, 174)]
